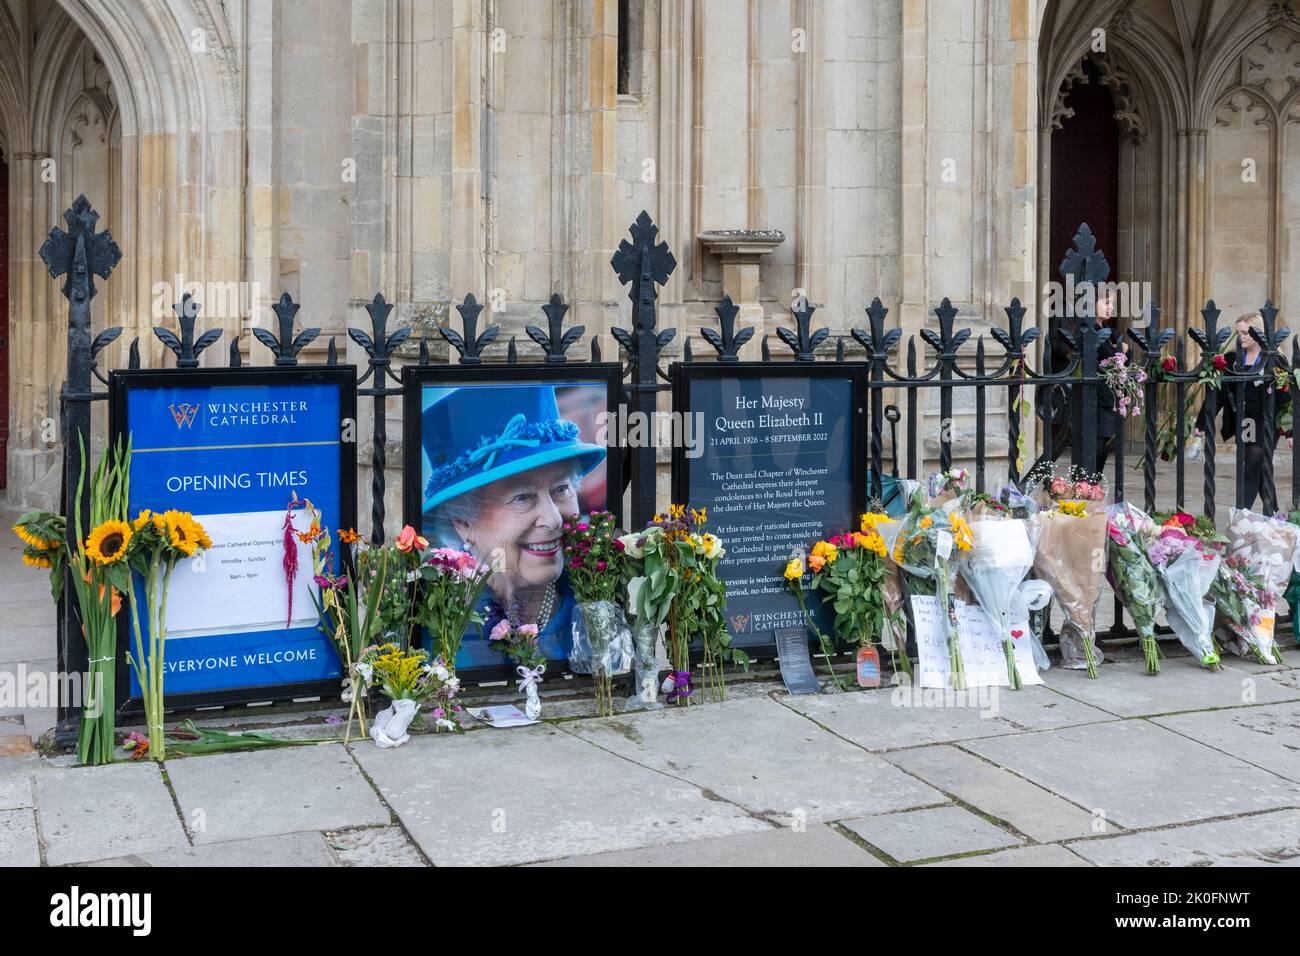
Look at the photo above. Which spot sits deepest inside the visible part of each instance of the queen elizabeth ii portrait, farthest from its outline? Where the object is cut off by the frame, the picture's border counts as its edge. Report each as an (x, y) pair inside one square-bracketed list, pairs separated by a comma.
[(502, 471)]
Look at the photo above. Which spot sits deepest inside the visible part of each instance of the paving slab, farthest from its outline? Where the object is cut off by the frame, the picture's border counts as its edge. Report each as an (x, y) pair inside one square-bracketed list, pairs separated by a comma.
[(1265, 839), (1288, 678), (26, 642), (1127, 690), (1050, 854), (926, 834), (817, 845), (763, 756), (91, 813), (528, 794), (1138, 774), (18, 843), (16, 793), (1268, 736), (283, 790), (1035, 812), (374, 846), (890, 718), (290, 849)]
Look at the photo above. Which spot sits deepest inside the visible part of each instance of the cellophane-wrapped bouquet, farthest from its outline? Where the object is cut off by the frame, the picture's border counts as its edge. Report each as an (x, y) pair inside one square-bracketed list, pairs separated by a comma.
[(1241, 598), (1132, 574), (934, 533), (1269, 547), (1001, 554), (1071, 558), (1185, 554)]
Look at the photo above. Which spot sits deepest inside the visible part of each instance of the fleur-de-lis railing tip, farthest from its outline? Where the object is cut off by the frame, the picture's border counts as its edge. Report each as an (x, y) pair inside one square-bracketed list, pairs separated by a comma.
[(512, 353), (945, 343), (766, 350), (186, 348), (235, 358), (286, 346), (595, 350), (471, 345), (379, 344), (1016, 338), (133, 354), (729, 342), (874, 338), (556, 340), (424, 350), (802, 340), (1212, 338)]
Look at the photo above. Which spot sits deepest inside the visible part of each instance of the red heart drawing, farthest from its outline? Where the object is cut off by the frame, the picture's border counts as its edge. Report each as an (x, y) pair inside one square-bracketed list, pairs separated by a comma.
[(1017, 633)]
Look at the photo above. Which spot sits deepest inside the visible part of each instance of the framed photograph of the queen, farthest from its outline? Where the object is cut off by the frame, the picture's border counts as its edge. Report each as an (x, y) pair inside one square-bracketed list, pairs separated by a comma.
[(497, 458)]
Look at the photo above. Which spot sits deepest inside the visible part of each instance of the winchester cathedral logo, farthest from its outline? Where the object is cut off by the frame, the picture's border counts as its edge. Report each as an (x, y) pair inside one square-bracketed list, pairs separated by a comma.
[(183, 414), (740, 623)]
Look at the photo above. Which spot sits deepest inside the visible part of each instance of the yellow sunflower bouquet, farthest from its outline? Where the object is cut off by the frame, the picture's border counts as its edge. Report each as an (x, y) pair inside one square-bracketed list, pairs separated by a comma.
[(154, 545)]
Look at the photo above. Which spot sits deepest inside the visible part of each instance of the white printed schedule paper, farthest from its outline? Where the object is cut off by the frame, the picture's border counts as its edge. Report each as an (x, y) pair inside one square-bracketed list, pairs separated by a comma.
[(243, 575), (980, 642)]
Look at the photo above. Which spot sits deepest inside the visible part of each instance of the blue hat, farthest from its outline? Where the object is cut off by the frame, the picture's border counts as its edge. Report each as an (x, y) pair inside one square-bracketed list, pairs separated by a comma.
[(475, 435)]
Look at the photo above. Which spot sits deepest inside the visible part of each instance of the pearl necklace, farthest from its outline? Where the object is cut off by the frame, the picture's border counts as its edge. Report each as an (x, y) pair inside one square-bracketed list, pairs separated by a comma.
[(548, 607)]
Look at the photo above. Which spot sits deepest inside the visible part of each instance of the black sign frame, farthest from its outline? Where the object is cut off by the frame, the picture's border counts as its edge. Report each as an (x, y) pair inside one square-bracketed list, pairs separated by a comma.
[(685, 374), (121, 383)]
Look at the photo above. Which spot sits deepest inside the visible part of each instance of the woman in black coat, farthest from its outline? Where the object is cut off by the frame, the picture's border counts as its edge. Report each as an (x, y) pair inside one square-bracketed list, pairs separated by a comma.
[(1251, 417)]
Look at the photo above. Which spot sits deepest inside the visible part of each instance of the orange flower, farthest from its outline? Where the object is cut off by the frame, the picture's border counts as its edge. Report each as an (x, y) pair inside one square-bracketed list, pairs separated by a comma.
[(348, 536), (816, 562), (116, 598), (408, 539)]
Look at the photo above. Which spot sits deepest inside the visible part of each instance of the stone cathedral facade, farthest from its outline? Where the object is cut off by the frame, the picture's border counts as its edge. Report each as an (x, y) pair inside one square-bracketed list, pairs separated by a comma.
[(832, 149)]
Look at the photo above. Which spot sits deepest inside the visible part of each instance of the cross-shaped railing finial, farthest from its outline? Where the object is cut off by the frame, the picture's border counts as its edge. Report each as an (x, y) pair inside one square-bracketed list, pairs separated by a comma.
[(79, 252)]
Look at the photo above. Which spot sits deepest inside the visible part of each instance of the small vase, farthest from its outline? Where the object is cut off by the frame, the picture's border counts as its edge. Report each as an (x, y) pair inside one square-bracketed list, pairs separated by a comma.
[(868, 666)]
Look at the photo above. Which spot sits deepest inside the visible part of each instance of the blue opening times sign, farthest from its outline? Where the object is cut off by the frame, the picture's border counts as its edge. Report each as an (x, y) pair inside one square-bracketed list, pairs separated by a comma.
[(233, 447)]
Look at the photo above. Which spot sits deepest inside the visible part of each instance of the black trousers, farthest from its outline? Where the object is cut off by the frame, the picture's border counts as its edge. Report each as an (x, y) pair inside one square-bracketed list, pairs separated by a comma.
[(1104, 447), (1254, 485)]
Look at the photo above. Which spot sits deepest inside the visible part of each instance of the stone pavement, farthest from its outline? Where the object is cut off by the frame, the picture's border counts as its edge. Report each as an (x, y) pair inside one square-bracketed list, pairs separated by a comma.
[(1187, 768)]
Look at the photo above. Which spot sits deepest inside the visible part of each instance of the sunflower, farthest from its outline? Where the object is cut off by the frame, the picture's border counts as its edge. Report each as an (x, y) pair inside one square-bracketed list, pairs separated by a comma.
[(181, 532), (37, 560), (107, 543), (32, 540), (143, 519)]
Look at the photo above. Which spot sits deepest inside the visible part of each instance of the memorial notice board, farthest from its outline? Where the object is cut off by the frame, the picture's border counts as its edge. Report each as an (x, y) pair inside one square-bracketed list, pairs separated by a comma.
[(232, 447), (777, 454)]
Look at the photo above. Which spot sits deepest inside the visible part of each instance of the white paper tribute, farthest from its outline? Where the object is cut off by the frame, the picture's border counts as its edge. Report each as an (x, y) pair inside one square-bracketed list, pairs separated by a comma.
[(238, 584), (981, 647)]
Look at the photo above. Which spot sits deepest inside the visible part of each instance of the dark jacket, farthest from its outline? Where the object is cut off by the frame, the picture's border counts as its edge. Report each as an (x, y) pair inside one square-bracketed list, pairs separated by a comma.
[(1107, 414), (1256, 403)]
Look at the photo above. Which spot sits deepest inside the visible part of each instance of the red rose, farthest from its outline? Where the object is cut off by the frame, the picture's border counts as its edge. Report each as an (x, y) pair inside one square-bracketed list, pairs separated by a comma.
[(1170, 364), (1220, 363)]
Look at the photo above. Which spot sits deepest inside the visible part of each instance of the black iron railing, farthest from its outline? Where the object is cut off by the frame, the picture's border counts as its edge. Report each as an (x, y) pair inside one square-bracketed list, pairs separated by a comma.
[(1068, 394)]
